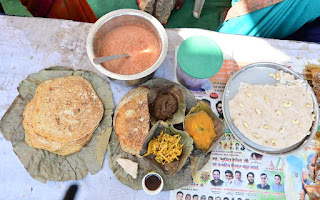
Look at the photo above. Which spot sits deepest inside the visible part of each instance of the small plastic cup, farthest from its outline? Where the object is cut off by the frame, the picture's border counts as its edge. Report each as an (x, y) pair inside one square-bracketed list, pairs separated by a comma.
[(199, 58), (149, 191)]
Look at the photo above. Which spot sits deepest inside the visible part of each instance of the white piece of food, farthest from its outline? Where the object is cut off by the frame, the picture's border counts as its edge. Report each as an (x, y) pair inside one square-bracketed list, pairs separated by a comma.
[(129, 166)]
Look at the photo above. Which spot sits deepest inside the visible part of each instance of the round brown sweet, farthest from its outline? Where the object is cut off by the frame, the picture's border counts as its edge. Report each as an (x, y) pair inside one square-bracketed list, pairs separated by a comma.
[(164, 106)]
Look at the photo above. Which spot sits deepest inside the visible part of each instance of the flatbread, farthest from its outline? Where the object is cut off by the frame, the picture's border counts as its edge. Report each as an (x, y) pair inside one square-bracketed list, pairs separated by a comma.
[(131, 120), (73, 147), (67, 109), (48, 103), (38, 141)]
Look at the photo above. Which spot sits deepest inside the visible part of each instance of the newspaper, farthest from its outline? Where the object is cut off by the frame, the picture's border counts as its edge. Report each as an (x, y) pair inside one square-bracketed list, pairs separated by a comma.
[(301, 171), (236, 173)]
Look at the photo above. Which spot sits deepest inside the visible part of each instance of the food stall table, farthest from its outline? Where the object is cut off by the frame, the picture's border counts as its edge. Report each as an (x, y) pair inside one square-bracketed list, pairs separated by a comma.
[(28, 45)]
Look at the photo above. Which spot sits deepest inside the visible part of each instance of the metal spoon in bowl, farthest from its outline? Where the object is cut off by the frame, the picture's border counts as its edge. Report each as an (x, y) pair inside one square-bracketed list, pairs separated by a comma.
[(99, 60)]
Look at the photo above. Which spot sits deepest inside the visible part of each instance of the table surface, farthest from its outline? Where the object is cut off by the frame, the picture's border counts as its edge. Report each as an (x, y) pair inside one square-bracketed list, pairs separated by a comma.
[(28, 45)]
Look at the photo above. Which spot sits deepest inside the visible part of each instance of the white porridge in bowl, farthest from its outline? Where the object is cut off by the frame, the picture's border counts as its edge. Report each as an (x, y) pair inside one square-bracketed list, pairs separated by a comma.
[(276, 116)]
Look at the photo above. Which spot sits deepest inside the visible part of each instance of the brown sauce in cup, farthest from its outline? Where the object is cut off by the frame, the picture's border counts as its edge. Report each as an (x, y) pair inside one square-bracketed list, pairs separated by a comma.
[(152, 182)]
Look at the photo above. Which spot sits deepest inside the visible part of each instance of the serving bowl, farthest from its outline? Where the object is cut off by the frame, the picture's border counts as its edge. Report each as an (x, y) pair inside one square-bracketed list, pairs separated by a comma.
[(145, 187), (116, 19), (257, 73)]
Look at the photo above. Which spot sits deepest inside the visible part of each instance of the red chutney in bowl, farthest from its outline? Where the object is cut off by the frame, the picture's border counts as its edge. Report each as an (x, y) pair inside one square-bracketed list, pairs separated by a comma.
[(139, 43)]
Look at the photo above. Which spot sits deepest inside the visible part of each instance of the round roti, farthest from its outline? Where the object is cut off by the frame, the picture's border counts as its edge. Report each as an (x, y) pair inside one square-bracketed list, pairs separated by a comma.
[(62, 119), (67, 109)]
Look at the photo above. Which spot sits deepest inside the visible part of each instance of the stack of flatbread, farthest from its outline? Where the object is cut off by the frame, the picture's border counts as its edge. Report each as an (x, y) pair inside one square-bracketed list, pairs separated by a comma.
[(62, 116)]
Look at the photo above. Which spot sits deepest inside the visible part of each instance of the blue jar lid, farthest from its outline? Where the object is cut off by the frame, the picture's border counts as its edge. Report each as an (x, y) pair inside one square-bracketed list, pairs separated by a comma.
[(200, 57)]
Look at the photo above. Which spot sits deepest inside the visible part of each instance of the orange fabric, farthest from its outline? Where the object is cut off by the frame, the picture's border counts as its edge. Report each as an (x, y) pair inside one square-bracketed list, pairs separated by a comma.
[(78, 10), (244, 7)]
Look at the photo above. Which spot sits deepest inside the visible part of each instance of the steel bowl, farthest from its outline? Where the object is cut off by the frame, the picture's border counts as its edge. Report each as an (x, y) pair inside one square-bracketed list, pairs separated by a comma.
[(120, 18), (257, 73)]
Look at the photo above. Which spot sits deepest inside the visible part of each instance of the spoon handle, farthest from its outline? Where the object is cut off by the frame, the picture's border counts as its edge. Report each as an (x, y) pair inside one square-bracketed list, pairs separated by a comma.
[(107, 58)]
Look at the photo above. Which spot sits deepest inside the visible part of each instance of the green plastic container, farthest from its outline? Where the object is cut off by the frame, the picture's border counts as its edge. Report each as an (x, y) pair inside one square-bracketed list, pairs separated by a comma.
[(199, 58)]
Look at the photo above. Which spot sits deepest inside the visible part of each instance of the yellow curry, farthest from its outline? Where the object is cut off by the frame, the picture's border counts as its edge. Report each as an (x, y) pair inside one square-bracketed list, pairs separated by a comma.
[(201, 128)]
